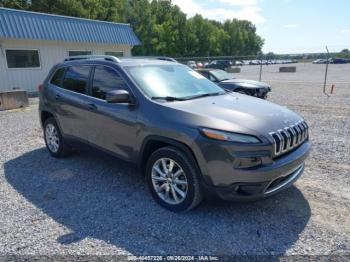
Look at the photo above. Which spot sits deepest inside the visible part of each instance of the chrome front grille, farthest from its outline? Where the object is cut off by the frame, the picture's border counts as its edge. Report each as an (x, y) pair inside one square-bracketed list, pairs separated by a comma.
[(289, 137)]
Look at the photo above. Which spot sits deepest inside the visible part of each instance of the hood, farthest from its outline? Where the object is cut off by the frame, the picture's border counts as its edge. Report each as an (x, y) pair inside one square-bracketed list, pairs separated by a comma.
[(236, 113), (245, 83)]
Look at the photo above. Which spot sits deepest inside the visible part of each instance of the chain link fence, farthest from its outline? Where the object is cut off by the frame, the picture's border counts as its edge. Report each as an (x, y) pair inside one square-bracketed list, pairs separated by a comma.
[(322, 71)]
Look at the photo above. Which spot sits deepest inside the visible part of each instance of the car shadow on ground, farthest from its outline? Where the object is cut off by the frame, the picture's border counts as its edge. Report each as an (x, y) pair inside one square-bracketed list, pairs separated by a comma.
[(101, 197)]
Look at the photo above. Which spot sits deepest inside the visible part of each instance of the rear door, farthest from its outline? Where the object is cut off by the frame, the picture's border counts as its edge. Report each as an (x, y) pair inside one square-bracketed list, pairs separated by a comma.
[(71, 105), (112, 126)]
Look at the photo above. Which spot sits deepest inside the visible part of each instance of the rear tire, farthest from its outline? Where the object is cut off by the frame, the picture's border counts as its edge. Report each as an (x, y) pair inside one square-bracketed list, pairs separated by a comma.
[(54, 141), (173, 180)]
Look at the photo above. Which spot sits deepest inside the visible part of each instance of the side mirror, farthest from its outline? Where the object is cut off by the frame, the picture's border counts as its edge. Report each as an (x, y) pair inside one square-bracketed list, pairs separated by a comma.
[(118, 96)]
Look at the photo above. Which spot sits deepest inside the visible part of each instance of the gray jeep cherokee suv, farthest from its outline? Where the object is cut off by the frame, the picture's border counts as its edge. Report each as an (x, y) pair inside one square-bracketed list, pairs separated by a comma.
[(191, 138)]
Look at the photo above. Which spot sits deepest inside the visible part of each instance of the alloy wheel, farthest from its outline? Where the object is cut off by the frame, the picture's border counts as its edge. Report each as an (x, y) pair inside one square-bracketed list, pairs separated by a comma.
[(52, 138), (169, 181)]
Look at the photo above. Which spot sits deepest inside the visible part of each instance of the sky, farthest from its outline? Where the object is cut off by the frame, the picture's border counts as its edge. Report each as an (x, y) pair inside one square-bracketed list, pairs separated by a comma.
[(287, 26)]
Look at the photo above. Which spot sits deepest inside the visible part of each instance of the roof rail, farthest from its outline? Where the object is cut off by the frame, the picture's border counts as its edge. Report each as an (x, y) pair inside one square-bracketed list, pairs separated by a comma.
[(164, 58), (90, 57)]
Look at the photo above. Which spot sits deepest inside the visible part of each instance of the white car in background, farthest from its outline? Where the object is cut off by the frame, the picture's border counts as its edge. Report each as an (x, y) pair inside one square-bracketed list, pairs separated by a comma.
[(192, 64), (320, 61)]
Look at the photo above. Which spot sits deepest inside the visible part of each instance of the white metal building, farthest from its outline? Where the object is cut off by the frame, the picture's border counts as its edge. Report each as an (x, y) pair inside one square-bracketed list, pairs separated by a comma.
[(31, 43)]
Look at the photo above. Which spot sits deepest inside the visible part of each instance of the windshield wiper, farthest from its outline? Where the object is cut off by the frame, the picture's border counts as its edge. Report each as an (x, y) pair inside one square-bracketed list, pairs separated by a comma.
[(172, 98), (168, 98), (203, 95)]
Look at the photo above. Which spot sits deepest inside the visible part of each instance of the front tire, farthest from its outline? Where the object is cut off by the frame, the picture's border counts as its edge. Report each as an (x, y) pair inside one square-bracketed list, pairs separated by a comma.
[(54, 141), (172, 178)]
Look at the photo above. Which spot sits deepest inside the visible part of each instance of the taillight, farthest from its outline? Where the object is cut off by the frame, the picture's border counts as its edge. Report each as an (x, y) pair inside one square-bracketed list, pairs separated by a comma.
[(40, 87)]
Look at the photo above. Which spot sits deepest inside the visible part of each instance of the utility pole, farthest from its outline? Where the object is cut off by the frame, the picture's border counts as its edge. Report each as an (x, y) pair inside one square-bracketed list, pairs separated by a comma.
[(326, 73), (261, 60)]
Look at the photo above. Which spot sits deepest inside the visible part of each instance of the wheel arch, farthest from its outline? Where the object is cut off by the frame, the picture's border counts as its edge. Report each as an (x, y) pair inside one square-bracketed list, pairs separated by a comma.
[(153, 143), (44, 115)]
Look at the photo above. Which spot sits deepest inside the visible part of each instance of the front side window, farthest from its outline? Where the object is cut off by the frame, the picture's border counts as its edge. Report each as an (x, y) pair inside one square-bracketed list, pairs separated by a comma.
[(212, 78), (76, 79), (106, 79), (57, 77), (221, 75), (204, 73), (172, 80), (76, 53), (22, 58)]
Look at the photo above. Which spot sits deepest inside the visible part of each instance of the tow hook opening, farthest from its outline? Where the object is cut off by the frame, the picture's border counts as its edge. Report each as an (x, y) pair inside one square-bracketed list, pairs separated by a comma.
[(248, 190)]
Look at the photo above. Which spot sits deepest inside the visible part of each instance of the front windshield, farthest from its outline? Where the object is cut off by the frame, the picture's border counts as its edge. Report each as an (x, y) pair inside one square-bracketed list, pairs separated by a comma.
[(172, 81), (221, 75)]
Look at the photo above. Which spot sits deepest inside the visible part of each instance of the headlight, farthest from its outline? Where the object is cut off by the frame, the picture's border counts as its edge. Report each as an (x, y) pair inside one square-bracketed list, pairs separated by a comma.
[(227, 136)]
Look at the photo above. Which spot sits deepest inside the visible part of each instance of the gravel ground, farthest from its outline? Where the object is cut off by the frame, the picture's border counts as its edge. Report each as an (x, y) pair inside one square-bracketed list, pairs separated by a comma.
[(91, 203)]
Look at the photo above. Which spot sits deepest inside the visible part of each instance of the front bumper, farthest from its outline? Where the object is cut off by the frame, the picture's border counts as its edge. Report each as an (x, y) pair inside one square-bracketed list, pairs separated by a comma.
[(262, 92), (224, 180), (253, 191)]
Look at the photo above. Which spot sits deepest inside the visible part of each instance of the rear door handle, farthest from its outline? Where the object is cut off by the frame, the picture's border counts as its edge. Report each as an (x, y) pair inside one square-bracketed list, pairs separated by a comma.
[(92, 106), (57, 97)]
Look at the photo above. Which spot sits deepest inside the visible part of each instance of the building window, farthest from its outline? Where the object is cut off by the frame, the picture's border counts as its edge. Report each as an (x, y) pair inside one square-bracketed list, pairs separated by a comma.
[(22, 58), (115, 53), (75, 53)]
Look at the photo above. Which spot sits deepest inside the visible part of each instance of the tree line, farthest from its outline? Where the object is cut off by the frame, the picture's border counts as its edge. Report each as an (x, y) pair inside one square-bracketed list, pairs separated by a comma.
[(161, 26)]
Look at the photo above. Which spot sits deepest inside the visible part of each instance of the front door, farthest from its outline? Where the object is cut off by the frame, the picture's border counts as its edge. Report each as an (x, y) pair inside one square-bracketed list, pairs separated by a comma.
[(112, 126)]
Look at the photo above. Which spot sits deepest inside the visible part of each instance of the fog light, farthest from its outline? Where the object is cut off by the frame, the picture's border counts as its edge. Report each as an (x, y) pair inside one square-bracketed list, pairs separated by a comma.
[(246, 162)]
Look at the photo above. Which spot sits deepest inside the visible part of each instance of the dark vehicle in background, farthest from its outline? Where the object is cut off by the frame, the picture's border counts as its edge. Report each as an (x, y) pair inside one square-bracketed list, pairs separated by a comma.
[(243, 86), (220, 64), (332, 61), (191, 138), (339, 61)]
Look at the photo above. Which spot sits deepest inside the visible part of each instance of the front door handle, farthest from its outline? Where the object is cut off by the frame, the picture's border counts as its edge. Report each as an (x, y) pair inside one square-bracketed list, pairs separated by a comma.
[(92, 106), (57, 97)]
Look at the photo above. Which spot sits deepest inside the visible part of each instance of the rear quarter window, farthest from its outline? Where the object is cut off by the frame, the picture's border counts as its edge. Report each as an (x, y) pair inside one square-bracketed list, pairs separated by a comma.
[(57, 77)]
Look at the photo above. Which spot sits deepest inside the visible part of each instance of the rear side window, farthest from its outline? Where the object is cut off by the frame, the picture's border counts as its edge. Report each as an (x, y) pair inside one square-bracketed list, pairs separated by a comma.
[(106, 79), (57, 77), (76, 79)]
